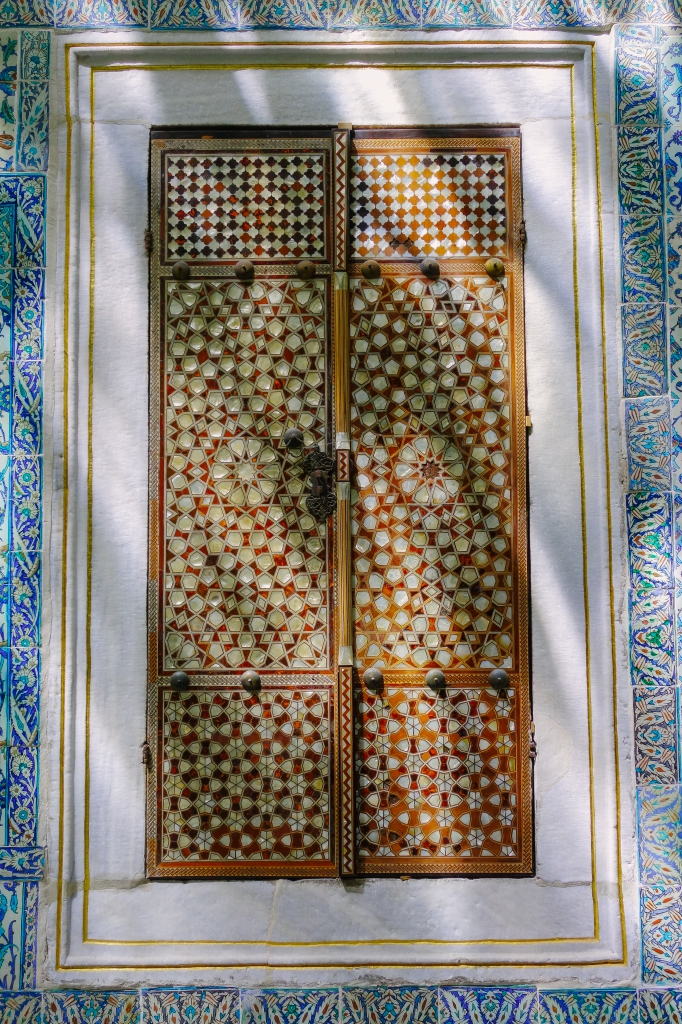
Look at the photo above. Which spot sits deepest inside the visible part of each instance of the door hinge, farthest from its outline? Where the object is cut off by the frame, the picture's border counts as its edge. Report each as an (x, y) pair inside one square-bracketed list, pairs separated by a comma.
[(148, 242), (533, 747), (529, 422), (523, 237), (146, 755)]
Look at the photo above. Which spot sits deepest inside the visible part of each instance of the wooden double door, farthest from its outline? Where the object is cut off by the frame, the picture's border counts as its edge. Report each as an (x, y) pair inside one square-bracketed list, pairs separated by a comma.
[(337, 484)]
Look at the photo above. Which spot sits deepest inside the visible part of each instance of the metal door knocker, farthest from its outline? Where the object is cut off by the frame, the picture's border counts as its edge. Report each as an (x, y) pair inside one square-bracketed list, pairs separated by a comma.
[(321, 502)]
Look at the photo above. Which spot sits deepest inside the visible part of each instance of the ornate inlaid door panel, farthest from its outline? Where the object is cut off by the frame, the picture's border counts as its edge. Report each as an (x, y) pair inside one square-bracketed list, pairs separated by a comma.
[(241, 574), (438, 506), (414, 385)]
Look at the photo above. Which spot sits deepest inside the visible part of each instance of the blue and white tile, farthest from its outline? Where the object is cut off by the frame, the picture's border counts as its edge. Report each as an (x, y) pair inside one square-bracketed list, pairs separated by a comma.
[(18, 903), (487, 1005), (25, 505), (389, 1005), (642, 259), (637, 69), (675, 343), (640, 170), (30, 226), (21, 1007), (559, 13), (33, 136), (22, 863), (374, 13), (650, 548), (193, 14), (659, 820), (648, 432), (25, 598), (35, 56), (674, 251), (588, 1006), (22, 789), (190, 1006), (5, 701), (661, 918), (24, 694), (661, 12), (652, 639), (644, 354), (673, 172), (29, 935), (284, 13), (28, 320), (659, 1007), (671, 83), (656, 738), (100, 13), (290, 1006), (26, 408), (463, 13), (26, 12), (8, 213), (91, 1008), (9, 43)]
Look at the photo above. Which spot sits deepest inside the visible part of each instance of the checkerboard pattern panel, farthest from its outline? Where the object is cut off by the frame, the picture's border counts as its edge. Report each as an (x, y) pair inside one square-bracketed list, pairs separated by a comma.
[(232, 206), (447, 205)]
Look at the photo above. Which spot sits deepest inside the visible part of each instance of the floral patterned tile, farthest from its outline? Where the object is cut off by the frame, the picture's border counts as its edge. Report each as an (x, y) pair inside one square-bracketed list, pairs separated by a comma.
[(584, 1006), (284, 13), (33, 140), (91, 1008), (659, 810), (18, 936), (661, 917), (652, 639), (20, 1007), (659, 1007), (35, 56), (193, 13), (640, 172), (190, 1006), (389, 1005), (648, 431), (637, 72), (95, 13), (26, 12), (649, 517), (487, 1006), (642, 258), (656, 754), (24, 697), (644, 356), (375, 13), (290, 1006), (656, 11), (460, 13), (9, 42), (559, 13)]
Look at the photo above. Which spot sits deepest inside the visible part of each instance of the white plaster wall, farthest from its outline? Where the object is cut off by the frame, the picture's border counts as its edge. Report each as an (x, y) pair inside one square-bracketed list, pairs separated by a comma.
[(323, 930)]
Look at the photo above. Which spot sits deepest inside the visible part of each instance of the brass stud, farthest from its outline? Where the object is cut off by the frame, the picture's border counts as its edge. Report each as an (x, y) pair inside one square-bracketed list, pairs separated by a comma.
[(435, 679), (181, 271), (244, 270), (179, 681), (250, 680), (498, 679), (306, 270), (293, 439), (430, 267), (374, 679), (370, 269), (494, 268)]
